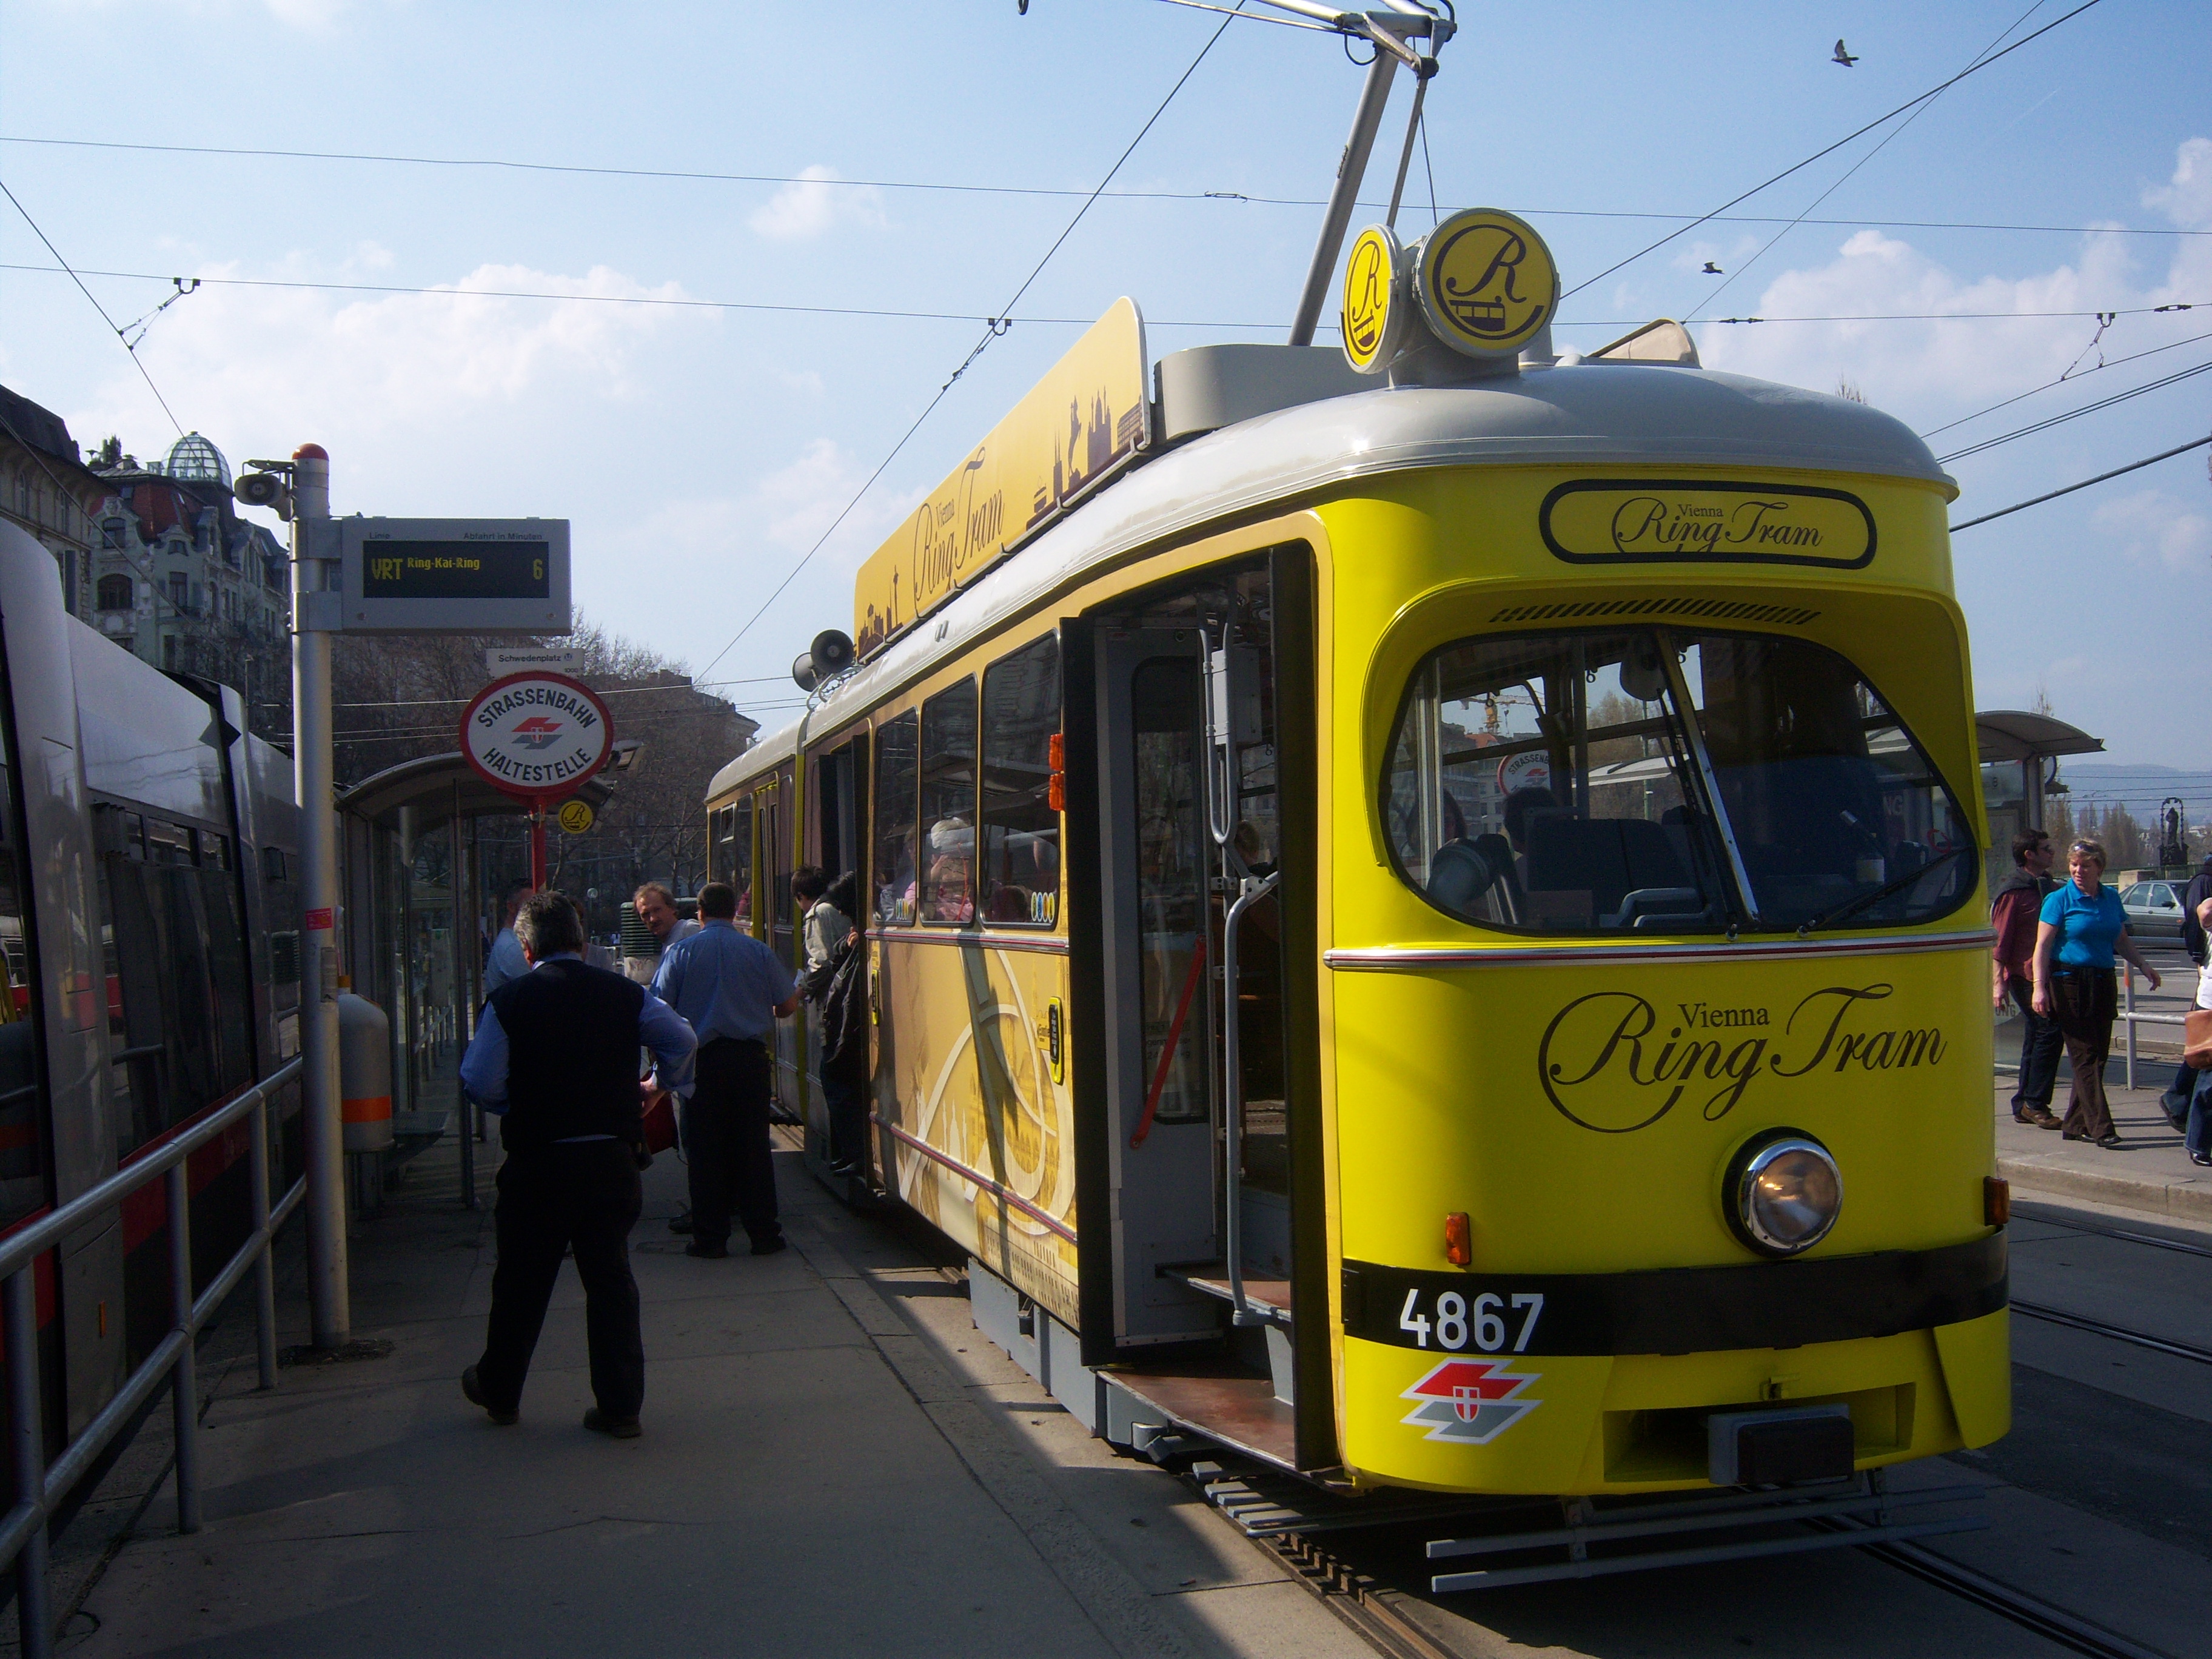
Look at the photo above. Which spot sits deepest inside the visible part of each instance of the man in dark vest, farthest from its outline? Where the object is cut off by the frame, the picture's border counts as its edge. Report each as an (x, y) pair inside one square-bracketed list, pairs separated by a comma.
[(556, 1054)]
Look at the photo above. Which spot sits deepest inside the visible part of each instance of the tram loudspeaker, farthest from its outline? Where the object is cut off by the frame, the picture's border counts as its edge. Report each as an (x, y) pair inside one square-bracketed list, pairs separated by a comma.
[(1783, 1448)]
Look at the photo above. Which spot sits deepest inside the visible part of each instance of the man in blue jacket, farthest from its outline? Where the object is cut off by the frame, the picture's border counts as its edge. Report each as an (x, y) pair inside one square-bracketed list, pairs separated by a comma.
[(557, 1057)]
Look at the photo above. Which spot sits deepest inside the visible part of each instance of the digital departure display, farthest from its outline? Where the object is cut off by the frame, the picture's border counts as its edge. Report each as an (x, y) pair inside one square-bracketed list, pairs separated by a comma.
[(393, 569)]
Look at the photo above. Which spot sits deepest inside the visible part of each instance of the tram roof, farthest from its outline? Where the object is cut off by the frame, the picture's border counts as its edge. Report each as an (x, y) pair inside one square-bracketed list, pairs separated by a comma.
[(1581, 414)]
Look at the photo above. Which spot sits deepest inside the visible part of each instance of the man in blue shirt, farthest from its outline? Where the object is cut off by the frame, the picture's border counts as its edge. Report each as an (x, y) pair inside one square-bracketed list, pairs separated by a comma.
[(556, 1057), (732, 989), (507, 962)]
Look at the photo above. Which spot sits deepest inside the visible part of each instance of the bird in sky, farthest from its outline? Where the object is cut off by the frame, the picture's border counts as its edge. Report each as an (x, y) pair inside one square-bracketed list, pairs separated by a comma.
[(1712, 269), (1843, 57)]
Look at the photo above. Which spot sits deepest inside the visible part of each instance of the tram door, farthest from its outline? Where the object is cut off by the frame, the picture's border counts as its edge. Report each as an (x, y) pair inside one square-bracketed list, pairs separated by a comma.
[(1158, 944)]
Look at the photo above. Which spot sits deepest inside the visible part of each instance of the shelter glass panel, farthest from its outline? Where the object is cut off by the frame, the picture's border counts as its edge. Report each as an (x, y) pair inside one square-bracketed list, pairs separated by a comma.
[(1020, 847), (22, 1125), (948, 805)]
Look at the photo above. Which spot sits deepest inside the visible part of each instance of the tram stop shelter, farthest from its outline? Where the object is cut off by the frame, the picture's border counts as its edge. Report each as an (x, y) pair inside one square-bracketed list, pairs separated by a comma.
[(415, 925), (2017, 749)]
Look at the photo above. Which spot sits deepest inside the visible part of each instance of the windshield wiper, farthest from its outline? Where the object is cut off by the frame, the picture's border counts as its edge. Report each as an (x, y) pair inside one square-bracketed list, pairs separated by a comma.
[(1853, 906)]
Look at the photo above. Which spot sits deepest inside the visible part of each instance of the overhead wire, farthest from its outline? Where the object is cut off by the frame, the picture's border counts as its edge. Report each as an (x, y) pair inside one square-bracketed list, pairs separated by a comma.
[(994, 328), (1799, 167), (1054, 192), (1888, 138), (2064, 380), (97, 306), (447, 290), (2076, 414), (2117, 471)]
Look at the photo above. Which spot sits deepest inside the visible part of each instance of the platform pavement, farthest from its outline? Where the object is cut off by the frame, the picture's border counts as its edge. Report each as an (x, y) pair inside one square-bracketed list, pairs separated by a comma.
[(834, 1462), (2151, 1172)]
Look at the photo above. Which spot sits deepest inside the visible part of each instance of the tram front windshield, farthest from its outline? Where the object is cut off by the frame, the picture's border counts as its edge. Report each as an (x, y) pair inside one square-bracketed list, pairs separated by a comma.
[(1662, 781)]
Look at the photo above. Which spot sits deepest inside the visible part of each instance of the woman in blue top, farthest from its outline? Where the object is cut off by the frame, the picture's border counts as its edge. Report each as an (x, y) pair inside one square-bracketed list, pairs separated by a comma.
[(2083, 927)]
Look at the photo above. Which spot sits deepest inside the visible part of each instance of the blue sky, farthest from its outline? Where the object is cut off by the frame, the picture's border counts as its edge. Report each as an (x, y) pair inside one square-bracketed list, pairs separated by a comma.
[(700, 452)]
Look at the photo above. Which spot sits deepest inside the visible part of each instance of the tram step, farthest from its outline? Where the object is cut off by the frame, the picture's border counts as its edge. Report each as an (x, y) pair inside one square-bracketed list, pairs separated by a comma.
[(1269, 1297)]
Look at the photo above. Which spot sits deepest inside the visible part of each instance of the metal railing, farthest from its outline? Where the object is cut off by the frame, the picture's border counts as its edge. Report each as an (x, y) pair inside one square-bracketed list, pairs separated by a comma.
[(39, 1488), (2132, 1018)]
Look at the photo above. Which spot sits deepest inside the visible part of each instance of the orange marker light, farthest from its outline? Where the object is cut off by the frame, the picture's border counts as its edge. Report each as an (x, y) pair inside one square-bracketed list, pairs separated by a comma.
[(1459, 1239), (1055, 789), (1997, 1200), (1056, 752)]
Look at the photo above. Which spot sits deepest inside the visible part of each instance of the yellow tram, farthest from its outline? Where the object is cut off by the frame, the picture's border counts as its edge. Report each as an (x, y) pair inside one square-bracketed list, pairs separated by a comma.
[(1424, 904)]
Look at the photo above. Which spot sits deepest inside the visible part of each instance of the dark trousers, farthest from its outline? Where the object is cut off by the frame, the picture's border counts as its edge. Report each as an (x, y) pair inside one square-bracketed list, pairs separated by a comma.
[(2084, 1001), (726, 1140), (848, 1106), (2039, 1043), (583, 1197)]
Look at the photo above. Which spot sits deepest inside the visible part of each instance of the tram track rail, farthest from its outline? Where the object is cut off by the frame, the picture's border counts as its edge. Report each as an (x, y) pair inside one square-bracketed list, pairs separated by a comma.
[(1377, 1611), (2180, 1246), (2031, 1612), (2114, 1333)]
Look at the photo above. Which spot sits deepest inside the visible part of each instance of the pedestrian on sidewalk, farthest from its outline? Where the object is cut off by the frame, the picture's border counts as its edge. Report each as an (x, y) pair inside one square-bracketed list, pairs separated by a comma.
[(2177, 1098), (2196, 1126), (2014, 914), (732, 989), (2082, 926), (555, 1056), (506, 961)]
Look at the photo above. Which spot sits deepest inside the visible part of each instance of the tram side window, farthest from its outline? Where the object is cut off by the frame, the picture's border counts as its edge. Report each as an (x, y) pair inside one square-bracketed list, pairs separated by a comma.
[(22, 1149), (1549, 782), (180, 992), (733, 853), (948, 805), (1020, 851), (896, 777)]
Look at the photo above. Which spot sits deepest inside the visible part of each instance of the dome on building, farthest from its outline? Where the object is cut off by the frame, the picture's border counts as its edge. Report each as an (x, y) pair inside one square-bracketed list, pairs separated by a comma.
[(195, 460)]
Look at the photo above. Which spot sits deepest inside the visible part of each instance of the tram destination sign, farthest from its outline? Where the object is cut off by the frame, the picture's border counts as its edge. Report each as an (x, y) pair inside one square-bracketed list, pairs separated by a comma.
[(537, 736), (1705, 521), (453, 575)]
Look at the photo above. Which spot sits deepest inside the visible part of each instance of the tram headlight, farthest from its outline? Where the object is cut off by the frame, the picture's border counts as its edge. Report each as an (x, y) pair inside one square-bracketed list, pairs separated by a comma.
[(1783, 1191)]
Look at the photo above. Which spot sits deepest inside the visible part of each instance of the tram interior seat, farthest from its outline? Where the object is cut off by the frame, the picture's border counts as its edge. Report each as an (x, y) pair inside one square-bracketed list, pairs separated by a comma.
[(1463, 872), (1607, 863)]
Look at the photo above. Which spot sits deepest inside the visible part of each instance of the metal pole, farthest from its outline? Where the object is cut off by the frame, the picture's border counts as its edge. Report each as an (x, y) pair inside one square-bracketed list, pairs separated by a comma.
[(1350, 171), (313, 773), (464, 950), (184, 1383), (537, 847), (19, 1303), (265, 1265)]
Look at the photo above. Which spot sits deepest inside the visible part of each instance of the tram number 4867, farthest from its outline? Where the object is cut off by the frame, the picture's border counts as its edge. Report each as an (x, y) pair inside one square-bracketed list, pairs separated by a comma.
[(1482, 1323)]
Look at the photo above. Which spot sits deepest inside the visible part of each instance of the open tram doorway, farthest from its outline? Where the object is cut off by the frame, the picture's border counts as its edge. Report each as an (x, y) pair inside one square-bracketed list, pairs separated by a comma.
[(837, 818), (1190, 718)]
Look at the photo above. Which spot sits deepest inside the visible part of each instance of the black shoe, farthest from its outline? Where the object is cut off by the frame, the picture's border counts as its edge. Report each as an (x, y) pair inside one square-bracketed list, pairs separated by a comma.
[(2203, 1159), (2109, 1142), (615, 1428), (707, 1249), (472, 1391), (680, 1224), (2070, 1135), (768, 1246)]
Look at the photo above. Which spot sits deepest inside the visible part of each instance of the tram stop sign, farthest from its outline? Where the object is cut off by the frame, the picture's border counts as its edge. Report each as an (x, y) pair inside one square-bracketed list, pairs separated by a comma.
[(537, 736)]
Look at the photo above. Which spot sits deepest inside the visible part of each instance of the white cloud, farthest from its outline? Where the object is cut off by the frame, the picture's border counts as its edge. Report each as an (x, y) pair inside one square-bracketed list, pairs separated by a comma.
[(1937, 368), (2152, 526), (232, 359), (814, 204), (2187, 199)]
